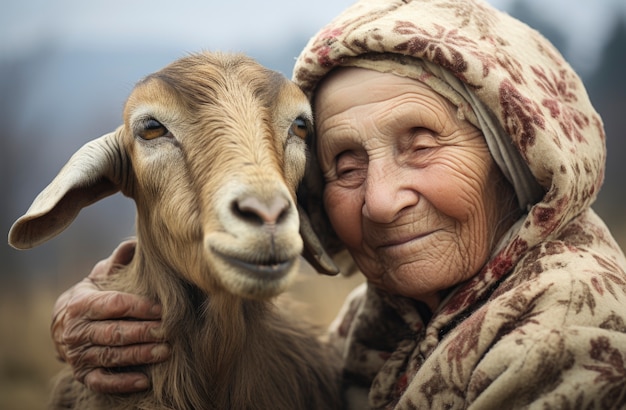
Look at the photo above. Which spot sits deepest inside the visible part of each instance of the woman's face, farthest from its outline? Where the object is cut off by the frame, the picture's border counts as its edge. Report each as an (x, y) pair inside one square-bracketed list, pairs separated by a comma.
[(410, 188)]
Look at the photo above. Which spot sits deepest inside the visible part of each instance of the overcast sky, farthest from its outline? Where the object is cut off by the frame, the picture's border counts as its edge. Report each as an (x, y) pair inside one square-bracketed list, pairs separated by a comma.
[(238, 25)]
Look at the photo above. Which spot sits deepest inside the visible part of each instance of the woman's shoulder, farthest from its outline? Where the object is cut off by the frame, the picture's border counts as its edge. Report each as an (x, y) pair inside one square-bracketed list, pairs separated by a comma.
[(553, 330), (582, 266)]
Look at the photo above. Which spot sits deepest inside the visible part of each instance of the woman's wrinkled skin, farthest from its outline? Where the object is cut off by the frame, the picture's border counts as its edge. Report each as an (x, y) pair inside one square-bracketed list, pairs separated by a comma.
[(89, 335), (409, 186)]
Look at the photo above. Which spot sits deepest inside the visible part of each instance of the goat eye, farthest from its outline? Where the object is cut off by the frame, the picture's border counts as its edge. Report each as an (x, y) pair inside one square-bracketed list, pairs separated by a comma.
[(299, 128), (151, 129)]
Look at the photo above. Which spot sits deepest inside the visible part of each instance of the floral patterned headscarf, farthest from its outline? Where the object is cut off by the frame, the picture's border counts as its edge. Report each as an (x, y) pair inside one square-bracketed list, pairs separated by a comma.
[(496, 70)]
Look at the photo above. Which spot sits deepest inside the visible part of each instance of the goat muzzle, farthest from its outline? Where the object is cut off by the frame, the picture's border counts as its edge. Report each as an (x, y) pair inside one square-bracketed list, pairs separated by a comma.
[(256, 211)]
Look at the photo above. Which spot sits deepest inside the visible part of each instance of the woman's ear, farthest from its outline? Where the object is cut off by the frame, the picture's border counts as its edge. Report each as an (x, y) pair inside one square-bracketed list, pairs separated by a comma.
[(91, 174)]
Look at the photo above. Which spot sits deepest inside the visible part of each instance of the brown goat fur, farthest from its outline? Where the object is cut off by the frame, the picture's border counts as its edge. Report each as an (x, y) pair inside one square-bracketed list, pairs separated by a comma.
[(211, 150)]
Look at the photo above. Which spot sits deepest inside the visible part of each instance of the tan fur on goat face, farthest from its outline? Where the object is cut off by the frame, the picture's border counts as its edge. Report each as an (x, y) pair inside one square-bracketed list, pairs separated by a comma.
[(211, 149), (230, 137)]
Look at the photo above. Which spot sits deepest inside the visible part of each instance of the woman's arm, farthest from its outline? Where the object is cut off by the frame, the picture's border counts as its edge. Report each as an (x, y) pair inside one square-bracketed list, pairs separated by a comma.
[(94, 330)]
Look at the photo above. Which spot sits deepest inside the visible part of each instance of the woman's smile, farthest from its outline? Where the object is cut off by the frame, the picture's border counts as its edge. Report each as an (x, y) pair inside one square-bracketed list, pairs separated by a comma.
[(401, 243), (397, 238)]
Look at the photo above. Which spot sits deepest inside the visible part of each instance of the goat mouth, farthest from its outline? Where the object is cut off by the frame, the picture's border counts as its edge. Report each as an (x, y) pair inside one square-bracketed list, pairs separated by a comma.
[(268, 271)]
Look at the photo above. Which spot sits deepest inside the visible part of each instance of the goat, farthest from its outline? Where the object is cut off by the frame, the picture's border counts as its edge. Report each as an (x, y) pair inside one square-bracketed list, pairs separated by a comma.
[(212, 150)]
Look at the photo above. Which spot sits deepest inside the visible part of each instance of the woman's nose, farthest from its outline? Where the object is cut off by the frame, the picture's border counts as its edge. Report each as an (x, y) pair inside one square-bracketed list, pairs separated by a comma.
[(388, 191)]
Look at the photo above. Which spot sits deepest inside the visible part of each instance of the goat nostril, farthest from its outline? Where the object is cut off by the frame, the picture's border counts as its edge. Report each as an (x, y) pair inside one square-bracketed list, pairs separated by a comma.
[(254, 210)]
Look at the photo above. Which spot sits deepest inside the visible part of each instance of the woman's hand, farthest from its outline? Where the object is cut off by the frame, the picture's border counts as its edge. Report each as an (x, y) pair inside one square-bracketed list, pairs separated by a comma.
[(95, 331)]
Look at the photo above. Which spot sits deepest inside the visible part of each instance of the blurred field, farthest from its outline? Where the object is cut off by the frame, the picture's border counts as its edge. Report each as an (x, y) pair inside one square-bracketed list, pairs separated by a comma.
[(27, 357)]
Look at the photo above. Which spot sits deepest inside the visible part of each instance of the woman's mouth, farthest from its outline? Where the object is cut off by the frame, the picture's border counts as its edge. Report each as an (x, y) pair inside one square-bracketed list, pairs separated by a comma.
[(401, 241)]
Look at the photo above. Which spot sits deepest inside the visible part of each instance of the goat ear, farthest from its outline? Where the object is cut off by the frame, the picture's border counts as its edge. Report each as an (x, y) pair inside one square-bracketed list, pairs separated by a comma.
[(313, 250), (92, 173)]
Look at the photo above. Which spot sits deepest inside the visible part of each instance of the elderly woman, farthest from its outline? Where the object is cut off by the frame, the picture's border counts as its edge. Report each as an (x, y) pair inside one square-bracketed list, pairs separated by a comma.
[(457, 156)]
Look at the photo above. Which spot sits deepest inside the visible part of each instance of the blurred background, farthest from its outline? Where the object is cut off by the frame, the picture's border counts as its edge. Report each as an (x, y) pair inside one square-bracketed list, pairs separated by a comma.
[(67, 66)]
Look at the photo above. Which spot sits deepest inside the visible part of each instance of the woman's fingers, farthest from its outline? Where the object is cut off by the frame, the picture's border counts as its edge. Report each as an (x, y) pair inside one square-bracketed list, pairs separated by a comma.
[(113, 333), (103, 381), (121, 256), (124, 253), (85, 316), (102, 334), (101, 368), (90, 304), (91, 357)]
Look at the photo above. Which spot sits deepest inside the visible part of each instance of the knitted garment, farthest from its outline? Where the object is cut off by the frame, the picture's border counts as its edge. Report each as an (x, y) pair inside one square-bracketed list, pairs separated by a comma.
[(543, 324)]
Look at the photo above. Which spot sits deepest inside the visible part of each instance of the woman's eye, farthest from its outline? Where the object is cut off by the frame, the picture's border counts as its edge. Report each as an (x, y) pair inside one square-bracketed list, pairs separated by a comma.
[(421, 148), (151, 129), (344, 167), (299, 128), (349, 166), (421, 140)]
